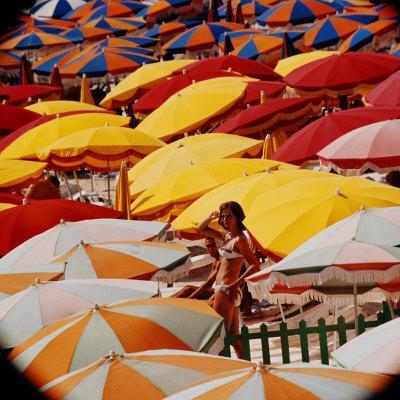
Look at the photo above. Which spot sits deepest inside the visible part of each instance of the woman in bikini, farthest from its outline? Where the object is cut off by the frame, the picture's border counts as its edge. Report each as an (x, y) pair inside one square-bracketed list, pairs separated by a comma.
[(233, 254)]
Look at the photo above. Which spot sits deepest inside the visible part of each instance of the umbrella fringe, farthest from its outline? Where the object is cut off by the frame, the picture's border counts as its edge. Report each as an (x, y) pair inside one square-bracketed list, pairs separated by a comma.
[(171, 276), (330, 165), (96, 156), (164, 214), (361, 89)]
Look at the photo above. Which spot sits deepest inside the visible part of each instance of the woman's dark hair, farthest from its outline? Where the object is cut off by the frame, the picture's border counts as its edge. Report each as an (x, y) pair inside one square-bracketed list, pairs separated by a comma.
[(393, 178), (54, 180), (236, 210)]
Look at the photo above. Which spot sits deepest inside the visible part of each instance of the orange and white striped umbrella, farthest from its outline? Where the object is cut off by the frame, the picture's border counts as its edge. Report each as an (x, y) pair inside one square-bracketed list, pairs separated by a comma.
[(135, 325), (158, 373), (304, 381)]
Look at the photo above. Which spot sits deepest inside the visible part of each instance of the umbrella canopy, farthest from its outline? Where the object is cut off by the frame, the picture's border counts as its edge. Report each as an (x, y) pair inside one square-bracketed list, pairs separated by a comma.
[(295, 12), (6, 206), (188, 367), (243, 190), (9, 60), (371, 147), (158, 95), (11, 198), (61, 106), (64, 235), (304, 144), (109, 60), (249, 8), (118, 26), (166, 30), (126, 260), (332, 29), (352, 71), (258, 45), (179, 154), (55, 8), (232, 63), (35, 40), (145, 77), (386, 93), (17, 173), (374, 351), (203, 36), (19, 94), (172, 118), (129, 43), (286, 113), (158, 7), (297, 211), (158, 323), (20, 223), (75, 15), (366, 34), (291, 63), (267, 89), (98, 148), (30, 143), (172, 195), (13, 117), (300, 381), (86, 33), (44, 303)]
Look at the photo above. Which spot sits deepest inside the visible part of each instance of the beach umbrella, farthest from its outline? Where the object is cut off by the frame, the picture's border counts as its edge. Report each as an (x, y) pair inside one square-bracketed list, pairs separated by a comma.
[(300, 381), (122, 194), (126, 43), (257, 45), (20, 223), (243, 190), (75, 15), (64, 235), (30, 143), (83, 33), (138, 369), (55, 80), (295, 12), (233, 63), (235, 36), (374, 351), (304, 144), (387, 93), (145, 77), (35, 40), (55, 8), (159, 7), (46, 302), (6, 206), (86, 94), (105, 61), (172, 118), (366, 34), (297, 211), (213, 15), (168, 198), (158, 95), (371, 147), (166, 29), (13, 117), (331, 30), (61, 57), (287, 113), (62, 106), (25, 71), (16, 173), (203, 36), (196, 149), (117, 26), (291, 63), (352, 71), (99, 148), (21, 94), (11, 198), (9, 60), (396, 51), (125, 260), (81, 339)]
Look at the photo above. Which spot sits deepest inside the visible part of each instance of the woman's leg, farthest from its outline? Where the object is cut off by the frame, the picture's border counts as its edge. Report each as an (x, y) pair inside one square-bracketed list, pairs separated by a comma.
[(224, 308), (234, 330)]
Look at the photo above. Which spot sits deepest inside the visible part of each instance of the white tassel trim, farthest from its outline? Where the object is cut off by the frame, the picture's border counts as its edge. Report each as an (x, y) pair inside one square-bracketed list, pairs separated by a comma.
[(328, 166)]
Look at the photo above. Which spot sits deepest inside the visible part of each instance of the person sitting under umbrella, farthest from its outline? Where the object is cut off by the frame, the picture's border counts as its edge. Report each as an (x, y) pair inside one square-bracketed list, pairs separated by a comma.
[(45, 189)]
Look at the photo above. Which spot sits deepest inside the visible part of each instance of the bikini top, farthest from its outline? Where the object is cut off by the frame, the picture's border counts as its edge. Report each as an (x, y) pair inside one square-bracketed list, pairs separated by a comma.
[(228, 253)]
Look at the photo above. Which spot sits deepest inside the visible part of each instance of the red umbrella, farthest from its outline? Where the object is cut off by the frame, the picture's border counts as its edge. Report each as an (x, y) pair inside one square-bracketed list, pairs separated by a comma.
[(342, 74), (25, 71), (20, 223), (233, 63), (55, 79), (11, 198), (386, 93), (159, 94), (308, 141), (12, 117), (253, 91), (20, 94), (275, 113), (373, 147)]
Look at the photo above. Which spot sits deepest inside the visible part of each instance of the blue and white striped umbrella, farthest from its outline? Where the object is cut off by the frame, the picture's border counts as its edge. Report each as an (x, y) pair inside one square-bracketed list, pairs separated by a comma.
[(55, 8)]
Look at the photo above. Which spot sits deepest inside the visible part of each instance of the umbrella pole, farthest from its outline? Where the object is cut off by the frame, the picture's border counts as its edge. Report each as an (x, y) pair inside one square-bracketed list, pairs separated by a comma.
[(336, 311), (282, 314), (91, 182), (67, 184), (108, 183), (78, 186), (355, 308)]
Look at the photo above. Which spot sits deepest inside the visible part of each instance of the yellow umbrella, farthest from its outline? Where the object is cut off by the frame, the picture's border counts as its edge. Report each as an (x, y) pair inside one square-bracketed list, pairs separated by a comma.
[(6, 206), (31, 142), (122, 197), (289, 64), (243, 190), (99, 148), (204, 100), (176, 155), (284, 218), (60, 106), (145, 77), (174, 193), (86, 94), (16, 172)]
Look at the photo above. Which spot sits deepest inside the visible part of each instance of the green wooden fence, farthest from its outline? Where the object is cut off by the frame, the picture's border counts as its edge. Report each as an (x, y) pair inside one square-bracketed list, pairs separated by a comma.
[(302, 332)]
